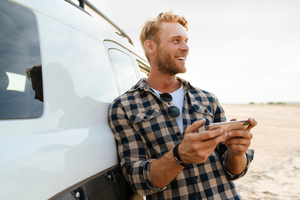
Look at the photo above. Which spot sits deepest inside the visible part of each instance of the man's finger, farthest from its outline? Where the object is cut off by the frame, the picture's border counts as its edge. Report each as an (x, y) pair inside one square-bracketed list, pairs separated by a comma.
[(252, 122), (195, 126), (240, 134), (214, 137), (237, 141), (207, 135)]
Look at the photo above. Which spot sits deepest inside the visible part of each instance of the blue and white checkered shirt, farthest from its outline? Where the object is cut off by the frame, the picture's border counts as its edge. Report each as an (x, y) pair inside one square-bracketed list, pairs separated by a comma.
[(145, 132)]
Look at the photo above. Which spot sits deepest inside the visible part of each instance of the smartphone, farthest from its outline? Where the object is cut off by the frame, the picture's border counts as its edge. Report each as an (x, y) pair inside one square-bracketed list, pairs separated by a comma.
[(228, 126)]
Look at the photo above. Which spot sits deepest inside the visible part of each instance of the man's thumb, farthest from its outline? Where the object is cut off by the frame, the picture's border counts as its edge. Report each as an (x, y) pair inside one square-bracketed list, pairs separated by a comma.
[(195, 126)]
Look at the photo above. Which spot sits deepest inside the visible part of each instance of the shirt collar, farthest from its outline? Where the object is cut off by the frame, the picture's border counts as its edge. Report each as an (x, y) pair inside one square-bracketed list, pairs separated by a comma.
[(143, 85), (197, 102)]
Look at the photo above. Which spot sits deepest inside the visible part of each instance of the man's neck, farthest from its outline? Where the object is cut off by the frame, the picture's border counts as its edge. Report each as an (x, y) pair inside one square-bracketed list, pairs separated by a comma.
[(163, 83)]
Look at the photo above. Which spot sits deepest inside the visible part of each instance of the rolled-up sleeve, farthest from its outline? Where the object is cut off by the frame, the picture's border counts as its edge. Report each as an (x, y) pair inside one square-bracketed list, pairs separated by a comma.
[(230, 176), (132, 152)]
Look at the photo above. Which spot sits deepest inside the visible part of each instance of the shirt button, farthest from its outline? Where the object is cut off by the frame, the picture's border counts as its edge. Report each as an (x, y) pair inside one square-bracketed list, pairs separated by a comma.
[(145, 117), (178, 133), (196, 177)]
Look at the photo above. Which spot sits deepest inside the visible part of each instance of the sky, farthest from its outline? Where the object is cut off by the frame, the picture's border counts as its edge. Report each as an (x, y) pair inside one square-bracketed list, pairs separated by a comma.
[(241, 50)]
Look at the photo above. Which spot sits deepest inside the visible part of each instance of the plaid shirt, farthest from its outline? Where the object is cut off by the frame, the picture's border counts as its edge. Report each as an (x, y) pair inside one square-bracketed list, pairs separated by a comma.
[(145, 132)]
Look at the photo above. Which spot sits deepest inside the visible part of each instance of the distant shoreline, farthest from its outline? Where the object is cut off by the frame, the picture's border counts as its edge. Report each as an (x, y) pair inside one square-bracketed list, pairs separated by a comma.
[(268, 103), (237, 104)]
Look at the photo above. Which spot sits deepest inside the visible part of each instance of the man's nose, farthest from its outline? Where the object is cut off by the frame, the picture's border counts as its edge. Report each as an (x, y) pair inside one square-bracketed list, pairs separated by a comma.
[(184, 47)]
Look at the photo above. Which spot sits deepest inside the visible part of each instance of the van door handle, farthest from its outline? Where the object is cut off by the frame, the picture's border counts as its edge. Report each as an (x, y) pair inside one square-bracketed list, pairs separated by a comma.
[(76, 194), (111, 176), (80, 193)]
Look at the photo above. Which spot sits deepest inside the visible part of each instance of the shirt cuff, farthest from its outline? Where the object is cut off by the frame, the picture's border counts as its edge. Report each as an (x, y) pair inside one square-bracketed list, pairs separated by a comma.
[(148, 180), (230, 176)]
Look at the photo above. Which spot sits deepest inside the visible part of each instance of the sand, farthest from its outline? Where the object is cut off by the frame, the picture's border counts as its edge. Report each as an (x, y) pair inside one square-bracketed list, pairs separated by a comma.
[(275, 171)]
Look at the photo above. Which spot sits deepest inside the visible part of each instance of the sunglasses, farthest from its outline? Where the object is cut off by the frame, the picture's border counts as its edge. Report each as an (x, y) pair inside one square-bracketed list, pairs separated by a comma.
[(172, 111)]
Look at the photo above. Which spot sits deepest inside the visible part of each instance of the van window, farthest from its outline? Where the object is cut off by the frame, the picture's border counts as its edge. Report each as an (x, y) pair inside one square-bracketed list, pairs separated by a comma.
[(21, 86), (123, 68)]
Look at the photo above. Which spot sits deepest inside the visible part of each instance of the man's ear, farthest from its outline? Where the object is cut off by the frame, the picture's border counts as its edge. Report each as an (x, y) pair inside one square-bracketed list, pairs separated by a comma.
[(150, 46)]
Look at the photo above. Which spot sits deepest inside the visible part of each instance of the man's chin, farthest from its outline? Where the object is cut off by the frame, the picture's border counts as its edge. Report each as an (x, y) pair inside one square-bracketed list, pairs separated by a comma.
[(181, 70), (172, 69)]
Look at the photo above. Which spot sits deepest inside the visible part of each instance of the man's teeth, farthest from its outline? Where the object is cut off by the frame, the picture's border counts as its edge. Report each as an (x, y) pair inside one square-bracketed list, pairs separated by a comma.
[(181, 58)]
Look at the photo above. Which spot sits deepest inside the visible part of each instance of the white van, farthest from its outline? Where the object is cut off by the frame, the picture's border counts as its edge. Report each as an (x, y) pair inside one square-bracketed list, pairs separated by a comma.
[(62, 63)]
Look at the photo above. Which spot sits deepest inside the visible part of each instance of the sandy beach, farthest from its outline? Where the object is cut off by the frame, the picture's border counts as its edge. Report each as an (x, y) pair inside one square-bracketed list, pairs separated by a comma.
[(275, 171)]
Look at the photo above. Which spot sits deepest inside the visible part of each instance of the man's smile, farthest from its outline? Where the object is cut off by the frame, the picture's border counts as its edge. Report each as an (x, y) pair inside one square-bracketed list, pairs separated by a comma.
[(181, 58)]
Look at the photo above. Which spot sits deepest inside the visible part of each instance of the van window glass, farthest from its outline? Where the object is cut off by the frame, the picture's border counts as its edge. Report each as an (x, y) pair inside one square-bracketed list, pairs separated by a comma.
[(21, 87), (123, 68)]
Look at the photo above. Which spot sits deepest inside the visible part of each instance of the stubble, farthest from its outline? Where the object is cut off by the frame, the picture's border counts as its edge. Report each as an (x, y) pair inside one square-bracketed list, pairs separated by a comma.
[(167, 64)]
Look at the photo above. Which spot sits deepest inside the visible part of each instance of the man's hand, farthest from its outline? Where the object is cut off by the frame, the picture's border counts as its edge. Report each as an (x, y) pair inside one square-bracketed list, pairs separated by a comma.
[(197, 147), (239, 140)]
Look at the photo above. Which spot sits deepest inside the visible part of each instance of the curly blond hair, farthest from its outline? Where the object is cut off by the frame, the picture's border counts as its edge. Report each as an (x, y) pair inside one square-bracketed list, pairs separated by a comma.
[(151, 27)]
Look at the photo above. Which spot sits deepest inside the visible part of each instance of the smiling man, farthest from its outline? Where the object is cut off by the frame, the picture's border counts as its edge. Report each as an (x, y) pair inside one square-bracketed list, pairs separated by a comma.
[(160, 126)]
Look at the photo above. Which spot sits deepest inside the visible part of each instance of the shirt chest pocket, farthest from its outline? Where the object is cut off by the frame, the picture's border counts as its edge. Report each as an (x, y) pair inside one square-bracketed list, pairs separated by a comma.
[(151, 124), (204, 112)]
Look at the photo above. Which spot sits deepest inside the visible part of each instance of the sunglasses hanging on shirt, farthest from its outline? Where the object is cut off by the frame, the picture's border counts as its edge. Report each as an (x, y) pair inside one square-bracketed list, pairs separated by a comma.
[(172, 111)]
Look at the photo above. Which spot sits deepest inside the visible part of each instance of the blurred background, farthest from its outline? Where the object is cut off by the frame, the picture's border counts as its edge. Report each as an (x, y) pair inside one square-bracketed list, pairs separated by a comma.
[(242, 51)]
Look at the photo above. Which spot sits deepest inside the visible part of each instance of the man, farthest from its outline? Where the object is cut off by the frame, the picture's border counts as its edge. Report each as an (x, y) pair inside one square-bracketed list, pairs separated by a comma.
[(166, 156)]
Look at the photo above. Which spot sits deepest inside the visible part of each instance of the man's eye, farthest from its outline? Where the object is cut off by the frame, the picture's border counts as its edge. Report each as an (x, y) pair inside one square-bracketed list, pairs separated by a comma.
[(176, 40)]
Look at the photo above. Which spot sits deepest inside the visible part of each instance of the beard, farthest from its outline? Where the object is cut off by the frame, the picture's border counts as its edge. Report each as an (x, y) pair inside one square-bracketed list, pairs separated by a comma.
[(167, 65)]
